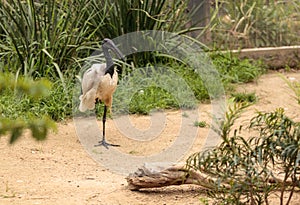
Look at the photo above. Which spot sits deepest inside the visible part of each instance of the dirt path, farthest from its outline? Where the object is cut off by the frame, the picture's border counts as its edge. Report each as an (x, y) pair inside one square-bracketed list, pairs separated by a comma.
[(59, 171)]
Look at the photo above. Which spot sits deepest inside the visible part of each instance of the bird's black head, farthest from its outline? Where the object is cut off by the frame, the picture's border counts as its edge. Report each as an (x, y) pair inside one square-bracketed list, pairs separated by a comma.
[(109, 44), (106, 45)]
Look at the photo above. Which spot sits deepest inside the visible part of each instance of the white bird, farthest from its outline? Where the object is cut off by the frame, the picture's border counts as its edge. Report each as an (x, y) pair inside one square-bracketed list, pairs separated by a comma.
[(99, 83)]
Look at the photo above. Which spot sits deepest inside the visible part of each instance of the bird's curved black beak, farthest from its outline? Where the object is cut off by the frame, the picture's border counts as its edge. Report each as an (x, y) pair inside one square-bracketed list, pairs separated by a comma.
[(110, 44), (118, 53)]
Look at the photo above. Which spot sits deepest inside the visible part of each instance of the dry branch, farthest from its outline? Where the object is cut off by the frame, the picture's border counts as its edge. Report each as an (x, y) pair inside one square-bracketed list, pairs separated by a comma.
[(155, 175), (159, 175)]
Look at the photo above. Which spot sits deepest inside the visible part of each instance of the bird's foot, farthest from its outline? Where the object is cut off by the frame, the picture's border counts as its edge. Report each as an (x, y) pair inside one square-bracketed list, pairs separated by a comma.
[(106, 144)]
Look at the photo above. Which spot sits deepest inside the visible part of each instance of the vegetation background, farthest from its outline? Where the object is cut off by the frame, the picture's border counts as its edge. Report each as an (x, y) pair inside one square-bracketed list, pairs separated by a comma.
[(44, 44)]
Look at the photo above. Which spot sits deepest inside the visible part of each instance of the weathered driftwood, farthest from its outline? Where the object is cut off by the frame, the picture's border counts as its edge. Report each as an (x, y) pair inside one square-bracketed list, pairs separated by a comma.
[(158, 175)]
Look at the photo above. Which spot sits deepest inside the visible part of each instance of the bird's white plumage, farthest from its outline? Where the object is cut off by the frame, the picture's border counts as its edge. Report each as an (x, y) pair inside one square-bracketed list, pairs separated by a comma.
[(97, 84)]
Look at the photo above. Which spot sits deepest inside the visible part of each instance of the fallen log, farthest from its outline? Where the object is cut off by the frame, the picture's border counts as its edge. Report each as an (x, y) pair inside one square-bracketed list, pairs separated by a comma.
[(159, 175), (156, 175)]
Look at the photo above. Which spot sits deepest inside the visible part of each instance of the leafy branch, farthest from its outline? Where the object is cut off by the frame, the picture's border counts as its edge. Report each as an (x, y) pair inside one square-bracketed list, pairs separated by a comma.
[(39, 127), (248, 171)]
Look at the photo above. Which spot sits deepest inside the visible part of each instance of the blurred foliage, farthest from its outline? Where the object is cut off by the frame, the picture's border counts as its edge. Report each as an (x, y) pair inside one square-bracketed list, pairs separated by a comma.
[(15, 123), (56, 103), (34, 89), (255, 23)]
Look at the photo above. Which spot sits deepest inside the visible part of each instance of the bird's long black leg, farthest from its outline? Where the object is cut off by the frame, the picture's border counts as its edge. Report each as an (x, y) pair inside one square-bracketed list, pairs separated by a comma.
[(103, 122), (103, 141)]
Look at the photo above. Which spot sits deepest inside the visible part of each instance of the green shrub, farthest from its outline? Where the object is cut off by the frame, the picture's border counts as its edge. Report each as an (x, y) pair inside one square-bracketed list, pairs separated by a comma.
[(248, 171), (234, 70)]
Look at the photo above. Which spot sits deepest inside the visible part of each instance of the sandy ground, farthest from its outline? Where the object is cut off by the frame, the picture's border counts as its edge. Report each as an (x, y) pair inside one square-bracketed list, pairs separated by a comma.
[(60, 170)]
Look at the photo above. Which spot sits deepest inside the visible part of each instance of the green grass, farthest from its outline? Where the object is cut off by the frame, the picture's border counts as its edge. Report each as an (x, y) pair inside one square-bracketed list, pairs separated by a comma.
[(52, 39), (201, 124), (234, 70), (38, 40), (153, 96), (244, 97), (152, 87), (16, 100), (137, 94), (57, 104)]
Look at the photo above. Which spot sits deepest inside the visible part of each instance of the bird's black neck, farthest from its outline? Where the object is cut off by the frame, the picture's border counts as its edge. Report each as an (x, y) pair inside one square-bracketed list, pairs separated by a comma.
[(110, 70), (109, 62), (108, 58)]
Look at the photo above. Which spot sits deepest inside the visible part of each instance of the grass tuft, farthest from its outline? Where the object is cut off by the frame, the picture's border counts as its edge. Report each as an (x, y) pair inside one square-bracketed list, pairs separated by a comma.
[(244, 97)]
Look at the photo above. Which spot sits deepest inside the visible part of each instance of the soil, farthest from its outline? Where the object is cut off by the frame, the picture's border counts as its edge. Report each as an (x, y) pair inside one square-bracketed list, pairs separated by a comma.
[(60, 171)]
